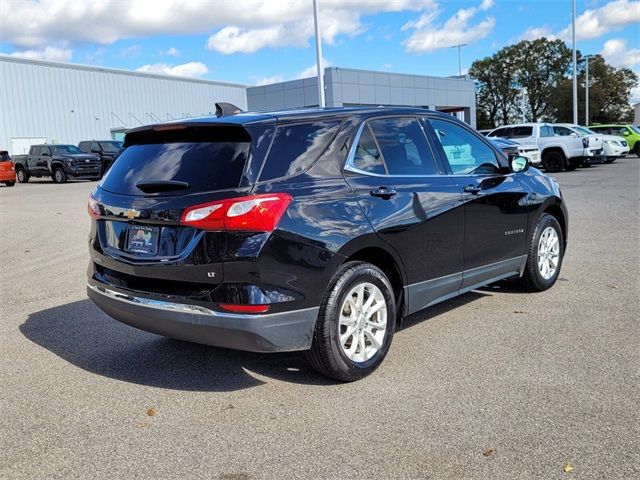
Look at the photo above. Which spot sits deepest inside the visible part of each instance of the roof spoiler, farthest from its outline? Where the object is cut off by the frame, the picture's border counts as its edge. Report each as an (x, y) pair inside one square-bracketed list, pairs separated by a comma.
[(224, 109)]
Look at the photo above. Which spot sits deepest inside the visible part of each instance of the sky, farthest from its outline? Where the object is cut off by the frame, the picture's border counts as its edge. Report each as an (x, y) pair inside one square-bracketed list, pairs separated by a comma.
[(256, 42)]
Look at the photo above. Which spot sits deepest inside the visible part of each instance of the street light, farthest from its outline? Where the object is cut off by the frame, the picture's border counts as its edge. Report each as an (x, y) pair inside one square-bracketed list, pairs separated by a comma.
[(459, 47), (575, 75), (321, 103), (586, 91)]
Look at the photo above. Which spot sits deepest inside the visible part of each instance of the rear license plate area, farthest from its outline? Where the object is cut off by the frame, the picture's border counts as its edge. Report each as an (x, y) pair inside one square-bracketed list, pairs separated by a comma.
[(142, 239)]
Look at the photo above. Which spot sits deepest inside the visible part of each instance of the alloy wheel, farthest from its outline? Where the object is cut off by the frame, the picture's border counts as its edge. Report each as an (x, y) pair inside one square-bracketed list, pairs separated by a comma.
[(548, 253), (363, 322)]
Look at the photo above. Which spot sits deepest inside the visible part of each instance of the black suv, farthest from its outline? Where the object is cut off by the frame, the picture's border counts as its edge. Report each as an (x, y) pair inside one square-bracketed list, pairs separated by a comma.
[(313, 230), (107, 150)]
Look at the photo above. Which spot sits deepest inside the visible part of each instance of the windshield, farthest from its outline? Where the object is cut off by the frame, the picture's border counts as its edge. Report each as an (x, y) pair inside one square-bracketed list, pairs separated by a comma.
[(635, 128), (67, 149), (111, 147), (583, 130)]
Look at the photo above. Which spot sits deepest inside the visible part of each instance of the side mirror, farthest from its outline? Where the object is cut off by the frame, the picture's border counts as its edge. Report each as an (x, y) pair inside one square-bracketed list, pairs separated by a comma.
[(46, 154), (626, 133), (519, 164), (95, 151)]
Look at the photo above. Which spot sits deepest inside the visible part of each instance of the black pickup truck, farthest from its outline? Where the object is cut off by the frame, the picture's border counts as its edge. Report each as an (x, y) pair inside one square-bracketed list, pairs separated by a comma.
[(60, 162), (107, 150)]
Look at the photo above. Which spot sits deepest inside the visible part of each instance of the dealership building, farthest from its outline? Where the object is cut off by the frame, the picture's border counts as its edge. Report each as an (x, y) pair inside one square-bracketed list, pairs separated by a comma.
[(49, 102)]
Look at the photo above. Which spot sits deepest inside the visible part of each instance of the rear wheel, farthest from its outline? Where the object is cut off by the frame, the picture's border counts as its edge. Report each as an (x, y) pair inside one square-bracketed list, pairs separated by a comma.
[(610, 160), (59, 176), (553, 161), (355, 324), (544, 258), (10, 184), (22, 175), (637, 147)]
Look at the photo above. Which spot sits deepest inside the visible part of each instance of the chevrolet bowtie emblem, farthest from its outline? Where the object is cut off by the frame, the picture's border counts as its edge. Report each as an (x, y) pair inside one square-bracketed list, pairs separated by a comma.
[(131, 213)]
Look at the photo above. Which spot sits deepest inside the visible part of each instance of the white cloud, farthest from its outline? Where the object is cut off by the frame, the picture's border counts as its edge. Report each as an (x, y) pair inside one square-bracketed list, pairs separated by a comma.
[(533, 33), (191, 69), (312, 70), (429, 36), (593, 23), (241, 25), (52, 54), (616, 53), (269, 80), (172, 52), (130, 51)]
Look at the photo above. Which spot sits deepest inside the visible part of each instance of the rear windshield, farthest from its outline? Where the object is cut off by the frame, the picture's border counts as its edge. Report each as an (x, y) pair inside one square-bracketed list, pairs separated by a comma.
[(4, 157), (205, 159)]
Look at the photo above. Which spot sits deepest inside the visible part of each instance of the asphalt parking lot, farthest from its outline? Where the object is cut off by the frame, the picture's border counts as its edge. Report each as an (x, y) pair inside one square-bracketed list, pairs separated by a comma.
[(496, 384)]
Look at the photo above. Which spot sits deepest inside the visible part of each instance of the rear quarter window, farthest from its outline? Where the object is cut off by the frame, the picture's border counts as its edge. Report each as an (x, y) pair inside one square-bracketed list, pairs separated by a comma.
[(295, 147)]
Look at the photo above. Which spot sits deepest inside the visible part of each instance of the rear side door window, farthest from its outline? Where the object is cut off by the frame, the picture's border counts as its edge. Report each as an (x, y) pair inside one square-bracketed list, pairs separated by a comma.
[(562, 131), (404, 146), (521, 132), (296, 147), (466, 153)]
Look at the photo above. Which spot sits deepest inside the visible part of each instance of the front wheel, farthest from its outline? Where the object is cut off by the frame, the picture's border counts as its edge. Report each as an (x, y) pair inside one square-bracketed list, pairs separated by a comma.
[(355, 324), (22, 175), (553, 161), (545, 255), (59, 176), (10, 184)]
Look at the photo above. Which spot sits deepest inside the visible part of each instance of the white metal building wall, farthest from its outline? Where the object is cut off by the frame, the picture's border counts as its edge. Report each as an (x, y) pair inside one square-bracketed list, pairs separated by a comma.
[(69, 103)]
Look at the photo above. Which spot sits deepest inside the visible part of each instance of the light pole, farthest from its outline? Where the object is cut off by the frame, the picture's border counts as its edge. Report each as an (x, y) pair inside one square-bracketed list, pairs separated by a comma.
[(575, 74), (459, 47), (321, 103), (586, 91)]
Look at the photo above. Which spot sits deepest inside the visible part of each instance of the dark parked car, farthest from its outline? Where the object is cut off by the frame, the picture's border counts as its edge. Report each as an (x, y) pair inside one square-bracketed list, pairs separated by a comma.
[(313, 230), (60, 162), (107, 150)]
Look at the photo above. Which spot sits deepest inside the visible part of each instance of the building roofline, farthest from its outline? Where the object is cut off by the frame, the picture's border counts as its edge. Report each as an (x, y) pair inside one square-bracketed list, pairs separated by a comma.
[(118, 71)]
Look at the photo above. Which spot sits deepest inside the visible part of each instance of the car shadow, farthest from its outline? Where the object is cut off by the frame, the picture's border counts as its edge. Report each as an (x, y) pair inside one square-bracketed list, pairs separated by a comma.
[(83, 335)]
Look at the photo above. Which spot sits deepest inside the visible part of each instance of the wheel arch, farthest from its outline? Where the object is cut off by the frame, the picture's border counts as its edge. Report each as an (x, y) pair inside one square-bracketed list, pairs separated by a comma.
[(554, 210), (557, 149), (389, 262)]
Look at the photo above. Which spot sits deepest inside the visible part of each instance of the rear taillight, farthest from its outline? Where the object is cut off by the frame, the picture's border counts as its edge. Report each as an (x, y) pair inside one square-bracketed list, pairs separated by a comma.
[(256, 213), (93, 208)]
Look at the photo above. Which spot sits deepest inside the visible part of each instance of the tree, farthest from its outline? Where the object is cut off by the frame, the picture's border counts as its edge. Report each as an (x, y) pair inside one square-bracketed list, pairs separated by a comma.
[(541, 65), (496, 87), (609, 90)]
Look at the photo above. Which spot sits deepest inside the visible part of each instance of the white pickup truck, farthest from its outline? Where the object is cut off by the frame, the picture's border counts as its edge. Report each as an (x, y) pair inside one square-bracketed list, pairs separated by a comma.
[(560, 148)]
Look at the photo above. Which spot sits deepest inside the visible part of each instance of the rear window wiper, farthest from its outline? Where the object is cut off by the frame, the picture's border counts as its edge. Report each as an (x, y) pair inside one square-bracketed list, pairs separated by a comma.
[(152, 186)]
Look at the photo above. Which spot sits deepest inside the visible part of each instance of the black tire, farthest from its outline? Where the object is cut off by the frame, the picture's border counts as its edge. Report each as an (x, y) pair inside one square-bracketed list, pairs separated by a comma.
[(637, 148), (59, 175), (532, 279), (326, 354), (553, 161), (10, 184), (22, 176), (610, 160)]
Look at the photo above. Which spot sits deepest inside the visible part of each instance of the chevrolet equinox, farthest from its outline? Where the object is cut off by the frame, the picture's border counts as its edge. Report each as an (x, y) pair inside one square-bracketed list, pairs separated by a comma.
[(314, 230)]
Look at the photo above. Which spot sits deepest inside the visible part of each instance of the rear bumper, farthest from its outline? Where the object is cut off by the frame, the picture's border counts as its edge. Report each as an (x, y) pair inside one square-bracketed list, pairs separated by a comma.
[(276, 332)]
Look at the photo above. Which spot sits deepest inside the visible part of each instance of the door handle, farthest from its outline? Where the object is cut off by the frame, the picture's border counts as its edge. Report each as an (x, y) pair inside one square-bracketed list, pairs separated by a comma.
[(383, 192), (472, 189)]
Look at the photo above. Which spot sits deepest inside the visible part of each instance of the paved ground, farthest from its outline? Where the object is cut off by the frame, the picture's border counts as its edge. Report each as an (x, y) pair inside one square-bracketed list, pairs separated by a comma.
[(532, 381)]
